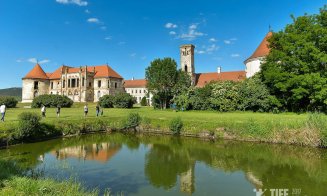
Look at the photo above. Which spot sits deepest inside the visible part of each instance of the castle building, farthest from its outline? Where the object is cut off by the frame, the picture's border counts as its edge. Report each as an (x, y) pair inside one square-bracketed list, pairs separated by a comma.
[(254, 62), (80, 84), (137, 88)]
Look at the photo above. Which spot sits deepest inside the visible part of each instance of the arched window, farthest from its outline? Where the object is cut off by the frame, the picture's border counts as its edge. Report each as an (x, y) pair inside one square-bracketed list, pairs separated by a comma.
[(185, 68)]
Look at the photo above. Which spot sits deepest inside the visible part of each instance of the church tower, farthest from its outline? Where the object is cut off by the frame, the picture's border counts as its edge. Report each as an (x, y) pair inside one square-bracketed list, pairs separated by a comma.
[(187, 60)]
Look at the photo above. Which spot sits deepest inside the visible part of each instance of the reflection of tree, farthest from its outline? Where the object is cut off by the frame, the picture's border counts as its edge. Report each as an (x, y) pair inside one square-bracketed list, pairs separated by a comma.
[(163, 165)]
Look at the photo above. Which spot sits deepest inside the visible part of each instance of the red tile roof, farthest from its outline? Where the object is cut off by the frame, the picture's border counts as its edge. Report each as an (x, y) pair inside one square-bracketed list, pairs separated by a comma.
[(135, 83), (204, 78), (36, 73), (101, 71), (263, 48)]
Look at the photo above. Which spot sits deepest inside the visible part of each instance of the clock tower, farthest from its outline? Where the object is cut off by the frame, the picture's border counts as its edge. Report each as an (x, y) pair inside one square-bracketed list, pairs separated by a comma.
[(187, 60)]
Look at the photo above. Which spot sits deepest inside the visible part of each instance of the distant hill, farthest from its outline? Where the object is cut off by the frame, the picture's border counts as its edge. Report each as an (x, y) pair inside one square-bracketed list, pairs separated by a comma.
[(16, 92)]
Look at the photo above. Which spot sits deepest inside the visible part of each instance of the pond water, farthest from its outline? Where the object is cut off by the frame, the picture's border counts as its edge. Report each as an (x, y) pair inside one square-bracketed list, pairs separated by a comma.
[(163, 165)]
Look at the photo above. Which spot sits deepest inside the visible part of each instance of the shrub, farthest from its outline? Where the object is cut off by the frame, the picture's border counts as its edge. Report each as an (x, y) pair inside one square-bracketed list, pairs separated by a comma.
[(176, 125), (29, 126), (68, 128), (10, 102), (133, 120), (52, 101), (123, 100), (94, 125), (107, 101), (144, 102)]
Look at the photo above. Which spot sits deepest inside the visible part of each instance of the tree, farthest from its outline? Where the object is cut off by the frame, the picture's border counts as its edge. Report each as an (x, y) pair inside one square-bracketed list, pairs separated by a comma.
[(295, 71), (144, 102), (161, 78)]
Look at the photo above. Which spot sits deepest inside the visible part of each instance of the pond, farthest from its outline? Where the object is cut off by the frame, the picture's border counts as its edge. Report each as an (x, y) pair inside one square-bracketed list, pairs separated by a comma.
[(164, 165)]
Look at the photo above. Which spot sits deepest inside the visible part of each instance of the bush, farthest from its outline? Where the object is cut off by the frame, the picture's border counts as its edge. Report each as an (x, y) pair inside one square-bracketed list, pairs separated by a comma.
[(10, 102), (144, 102), (176, 125), (107, 101), (94, 125), (29, 126), (68, 128), (123, 100), (133, 120), (52, 101)]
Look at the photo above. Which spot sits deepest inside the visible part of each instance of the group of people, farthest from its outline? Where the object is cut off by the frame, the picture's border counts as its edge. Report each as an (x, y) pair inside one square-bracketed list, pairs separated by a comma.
[(98, 110)]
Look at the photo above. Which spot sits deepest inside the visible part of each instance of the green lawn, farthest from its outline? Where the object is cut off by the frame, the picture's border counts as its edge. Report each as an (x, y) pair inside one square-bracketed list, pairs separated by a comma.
[(249, 124)]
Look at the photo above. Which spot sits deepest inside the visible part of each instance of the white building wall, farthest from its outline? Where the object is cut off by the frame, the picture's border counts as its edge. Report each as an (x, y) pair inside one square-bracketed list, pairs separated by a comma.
[(253, 66), (29, 92), (139, 93)]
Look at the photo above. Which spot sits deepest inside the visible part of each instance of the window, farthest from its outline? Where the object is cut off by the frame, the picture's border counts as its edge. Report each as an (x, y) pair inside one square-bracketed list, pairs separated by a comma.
[(68, 83), (144, 91), (90, 84), (73, 83), (185, 68), (36, 85), (51, 85), (140, 91), (77, 84), (108, 83), (132, 91), (51, 93), (115, 84), (83, 81), (99, 83), (63, 83)]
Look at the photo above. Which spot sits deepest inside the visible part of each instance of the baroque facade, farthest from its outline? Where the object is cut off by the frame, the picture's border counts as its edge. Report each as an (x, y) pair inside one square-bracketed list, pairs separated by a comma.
[(80, 84)]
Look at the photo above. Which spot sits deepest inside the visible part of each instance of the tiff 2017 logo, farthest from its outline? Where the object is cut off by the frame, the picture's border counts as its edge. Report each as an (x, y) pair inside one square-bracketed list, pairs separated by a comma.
[(276, 192)]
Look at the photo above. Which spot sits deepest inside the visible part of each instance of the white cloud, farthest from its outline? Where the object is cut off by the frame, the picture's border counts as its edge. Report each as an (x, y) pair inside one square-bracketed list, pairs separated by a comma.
[(212, 47), (87, 11), (133, 54), (230, 41), (103, 28), (93, 20), (192, 33), (34, 60), (227, 42), (108, 38), (200, 51), (76, 2), (44, 61), (212, 40), (235, 55), (172, 33), (19, 60), (207, 49), (170, 25)]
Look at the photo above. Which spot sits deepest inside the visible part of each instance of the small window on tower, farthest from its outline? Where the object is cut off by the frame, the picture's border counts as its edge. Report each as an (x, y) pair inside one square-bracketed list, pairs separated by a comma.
[(36, 85), (99, 83), (185, 68), (115, 84)]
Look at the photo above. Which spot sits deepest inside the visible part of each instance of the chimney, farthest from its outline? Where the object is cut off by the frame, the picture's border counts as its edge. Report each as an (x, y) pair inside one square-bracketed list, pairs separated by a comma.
[(219, 69)]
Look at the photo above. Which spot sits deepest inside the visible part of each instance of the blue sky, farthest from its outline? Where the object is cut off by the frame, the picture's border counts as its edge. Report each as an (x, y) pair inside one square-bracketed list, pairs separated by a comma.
[(129, 34)]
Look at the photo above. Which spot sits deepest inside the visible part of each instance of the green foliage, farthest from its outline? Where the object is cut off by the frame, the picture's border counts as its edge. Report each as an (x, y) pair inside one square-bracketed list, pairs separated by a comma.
[(10, 102), (123, 100), (295, 70), (68, 127), (107, 101), (133, 120), (176, 125), (29, 126), (317, 121), (255, 96), (52, 101), (162, 76), (144, 102), (224, 96)]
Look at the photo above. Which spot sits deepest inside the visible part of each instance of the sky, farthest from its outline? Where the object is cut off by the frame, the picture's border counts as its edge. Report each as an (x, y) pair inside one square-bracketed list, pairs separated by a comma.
[(129, 34)]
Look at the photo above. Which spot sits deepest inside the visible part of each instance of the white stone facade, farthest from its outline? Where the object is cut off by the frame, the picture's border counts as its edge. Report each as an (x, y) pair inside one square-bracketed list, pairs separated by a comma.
[(253, 66)]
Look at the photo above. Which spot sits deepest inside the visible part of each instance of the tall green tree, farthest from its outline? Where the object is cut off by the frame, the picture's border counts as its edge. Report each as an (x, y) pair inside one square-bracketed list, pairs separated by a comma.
[(164, 80), (295, 71)]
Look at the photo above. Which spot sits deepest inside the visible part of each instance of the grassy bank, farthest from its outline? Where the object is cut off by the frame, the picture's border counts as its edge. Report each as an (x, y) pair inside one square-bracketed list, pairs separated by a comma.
[(300, 129)]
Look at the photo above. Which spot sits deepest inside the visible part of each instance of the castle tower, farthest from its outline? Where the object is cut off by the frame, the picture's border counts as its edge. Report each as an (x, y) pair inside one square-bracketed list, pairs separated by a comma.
[(35, 83), (187, 60), (254, 62)]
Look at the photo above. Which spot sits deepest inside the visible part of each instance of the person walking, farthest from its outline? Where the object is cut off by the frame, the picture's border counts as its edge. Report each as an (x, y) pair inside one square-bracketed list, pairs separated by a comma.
[(97, 110), (86, 110), (43, 110), (58, 111), (3, 111)]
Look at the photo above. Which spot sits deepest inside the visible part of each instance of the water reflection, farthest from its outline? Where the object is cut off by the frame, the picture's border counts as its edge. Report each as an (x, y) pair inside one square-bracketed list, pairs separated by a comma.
[(98, 152), (155, 165)]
